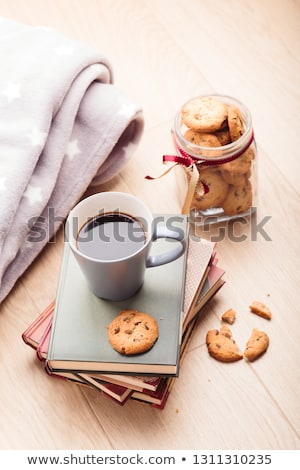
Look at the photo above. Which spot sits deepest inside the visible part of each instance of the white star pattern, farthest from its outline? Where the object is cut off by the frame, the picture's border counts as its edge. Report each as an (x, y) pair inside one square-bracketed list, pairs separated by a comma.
[(3, 183), (128, 149), (37, 137), (12, 91), (127, 110), (44, 28), (72, 149), (97, 68), (33, 194), (64, 49)]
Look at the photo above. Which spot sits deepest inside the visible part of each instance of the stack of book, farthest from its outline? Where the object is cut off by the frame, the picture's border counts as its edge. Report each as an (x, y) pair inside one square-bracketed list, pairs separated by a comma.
[(70, 336)]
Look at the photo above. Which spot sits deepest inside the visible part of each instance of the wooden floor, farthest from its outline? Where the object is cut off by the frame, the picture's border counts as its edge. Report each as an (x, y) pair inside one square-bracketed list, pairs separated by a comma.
[(164, 52)]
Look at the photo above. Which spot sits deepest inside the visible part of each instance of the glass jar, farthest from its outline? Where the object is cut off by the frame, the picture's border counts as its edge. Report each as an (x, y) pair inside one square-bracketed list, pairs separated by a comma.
[(217, 155)]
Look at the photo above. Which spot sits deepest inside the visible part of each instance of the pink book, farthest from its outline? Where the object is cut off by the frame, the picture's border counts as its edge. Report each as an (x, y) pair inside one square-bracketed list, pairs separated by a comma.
[(42, 347), (203, 280), (36, 330)]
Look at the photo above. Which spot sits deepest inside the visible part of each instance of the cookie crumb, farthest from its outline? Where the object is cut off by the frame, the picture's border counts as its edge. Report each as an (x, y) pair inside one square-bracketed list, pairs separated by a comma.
[(259, 308), (229, 316)]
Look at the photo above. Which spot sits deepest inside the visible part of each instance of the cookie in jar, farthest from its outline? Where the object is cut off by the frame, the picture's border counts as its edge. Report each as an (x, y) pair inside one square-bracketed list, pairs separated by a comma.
[(216, 149)]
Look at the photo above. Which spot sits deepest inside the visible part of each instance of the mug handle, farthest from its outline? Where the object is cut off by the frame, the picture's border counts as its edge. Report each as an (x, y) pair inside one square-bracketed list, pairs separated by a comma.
[(172, 255)]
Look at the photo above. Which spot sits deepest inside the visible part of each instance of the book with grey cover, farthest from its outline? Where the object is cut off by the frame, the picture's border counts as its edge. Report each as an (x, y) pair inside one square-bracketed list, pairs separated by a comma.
[(79, 340)]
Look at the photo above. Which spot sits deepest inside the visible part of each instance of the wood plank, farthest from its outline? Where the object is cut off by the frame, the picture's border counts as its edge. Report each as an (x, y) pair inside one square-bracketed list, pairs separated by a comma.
[(252, 55)]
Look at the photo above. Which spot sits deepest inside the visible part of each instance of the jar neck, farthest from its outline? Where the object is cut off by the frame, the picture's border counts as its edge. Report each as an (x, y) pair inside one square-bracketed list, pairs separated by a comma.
[(188, 159), (214, 155)]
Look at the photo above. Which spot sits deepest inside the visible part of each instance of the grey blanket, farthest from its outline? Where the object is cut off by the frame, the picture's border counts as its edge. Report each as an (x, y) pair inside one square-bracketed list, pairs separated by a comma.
[(63, 127)]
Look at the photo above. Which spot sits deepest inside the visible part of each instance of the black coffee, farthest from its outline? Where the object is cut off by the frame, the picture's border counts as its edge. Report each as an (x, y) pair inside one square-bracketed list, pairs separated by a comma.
[(111, 236)]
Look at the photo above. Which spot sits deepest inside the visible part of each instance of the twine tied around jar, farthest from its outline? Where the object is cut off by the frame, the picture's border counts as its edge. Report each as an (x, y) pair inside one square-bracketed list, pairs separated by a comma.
[(194, 165)]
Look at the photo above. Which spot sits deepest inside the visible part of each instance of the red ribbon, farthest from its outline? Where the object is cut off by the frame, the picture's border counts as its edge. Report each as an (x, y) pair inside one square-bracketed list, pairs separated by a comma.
[(189, 161)]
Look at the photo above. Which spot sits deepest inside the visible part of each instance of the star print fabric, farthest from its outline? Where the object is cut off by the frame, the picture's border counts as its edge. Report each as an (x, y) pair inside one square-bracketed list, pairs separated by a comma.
[(64, 126)]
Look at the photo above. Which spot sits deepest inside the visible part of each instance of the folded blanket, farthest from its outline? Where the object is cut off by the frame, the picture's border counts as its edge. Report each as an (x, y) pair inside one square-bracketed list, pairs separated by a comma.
[(63, 126)]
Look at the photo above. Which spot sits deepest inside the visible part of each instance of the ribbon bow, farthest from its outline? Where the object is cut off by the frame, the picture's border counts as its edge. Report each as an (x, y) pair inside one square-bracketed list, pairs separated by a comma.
[(193, 164)]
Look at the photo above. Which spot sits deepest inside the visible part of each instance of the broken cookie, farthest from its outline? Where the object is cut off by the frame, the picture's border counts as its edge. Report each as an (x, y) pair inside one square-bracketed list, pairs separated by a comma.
[(229, 316), (257, 344), (259, 308), (222, 346)]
